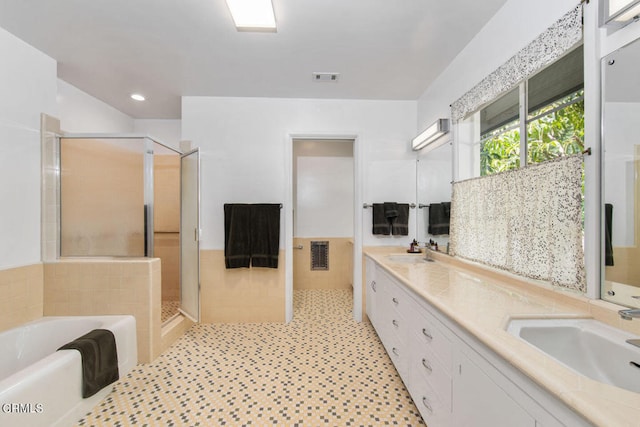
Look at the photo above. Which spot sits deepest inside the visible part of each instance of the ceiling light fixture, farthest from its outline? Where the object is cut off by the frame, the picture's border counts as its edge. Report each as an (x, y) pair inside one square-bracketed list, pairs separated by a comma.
[(253, 15), (429, 136), (137, 97)]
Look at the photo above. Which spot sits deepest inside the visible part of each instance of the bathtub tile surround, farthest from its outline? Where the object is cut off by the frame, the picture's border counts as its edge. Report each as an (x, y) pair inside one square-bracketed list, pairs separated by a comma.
[(49, 194), (81, 287), (321, 369), (22, 295)]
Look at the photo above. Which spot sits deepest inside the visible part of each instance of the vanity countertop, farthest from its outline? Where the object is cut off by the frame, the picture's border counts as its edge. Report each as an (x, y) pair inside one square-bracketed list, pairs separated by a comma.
[(482, 301)]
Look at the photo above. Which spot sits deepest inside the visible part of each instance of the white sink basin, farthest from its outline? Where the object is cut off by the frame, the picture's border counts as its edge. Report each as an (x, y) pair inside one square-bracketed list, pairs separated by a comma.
[(587, 346), (407, 259)]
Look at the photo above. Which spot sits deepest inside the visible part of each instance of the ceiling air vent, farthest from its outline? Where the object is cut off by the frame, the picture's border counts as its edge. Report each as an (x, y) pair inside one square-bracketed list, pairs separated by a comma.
[(326, 77)]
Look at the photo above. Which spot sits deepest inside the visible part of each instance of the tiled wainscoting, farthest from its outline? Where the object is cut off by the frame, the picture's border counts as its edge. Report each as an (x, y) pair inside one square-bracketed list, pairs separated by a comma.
[(339, 275), (76, 287), (240, 294), (22, 295)]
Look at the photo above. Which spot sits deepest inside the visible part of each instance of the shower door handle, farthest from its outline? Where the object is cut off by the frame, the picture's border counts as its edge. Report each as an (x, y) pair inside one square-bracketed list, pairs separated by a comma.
[(196, 234)]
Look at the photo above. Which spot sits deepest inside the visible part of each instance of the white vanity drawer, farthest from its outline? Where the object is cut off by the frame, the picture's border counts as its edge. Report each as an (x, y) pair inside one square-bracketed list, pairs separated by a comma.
[(396, 299), (425, 369), (434, 411), (427, 338), (399, 354)]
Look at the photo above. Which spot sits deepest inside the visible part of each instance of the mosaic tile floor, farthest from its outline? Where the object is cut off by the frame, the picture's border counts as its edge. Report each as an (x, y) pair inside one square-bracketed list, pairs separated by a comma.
[(322, 369), (169, 309)]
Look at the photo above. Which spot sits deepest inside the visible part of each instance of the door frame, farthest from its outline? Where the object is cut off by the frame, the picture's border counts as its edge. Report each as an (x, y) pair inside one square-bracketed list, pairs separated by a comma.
[(357, 220)]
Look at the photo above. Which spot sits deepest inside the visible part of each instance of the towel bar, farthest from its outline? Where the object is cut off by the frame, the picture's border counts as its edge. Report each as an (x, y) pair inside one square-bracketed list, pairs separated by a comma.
[(370, 205)]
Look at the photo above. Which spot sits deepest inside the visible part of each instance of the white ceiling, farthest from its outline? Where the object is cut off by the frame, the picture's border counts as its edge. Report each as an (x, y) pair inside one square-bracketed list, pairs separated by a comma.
[(383, 49)]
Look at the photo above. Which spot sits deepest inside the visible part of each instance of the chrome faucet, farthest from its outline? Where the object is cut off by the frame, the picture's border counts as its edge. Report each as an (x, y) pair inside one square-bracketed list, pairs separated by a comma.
[(427, 254), (629, 313)]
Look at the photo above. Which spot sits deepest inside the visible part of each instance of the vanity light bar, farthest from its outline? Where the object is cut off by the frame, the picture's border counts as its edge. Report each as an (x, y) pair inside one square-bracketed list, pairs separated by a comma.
[(430, 134)]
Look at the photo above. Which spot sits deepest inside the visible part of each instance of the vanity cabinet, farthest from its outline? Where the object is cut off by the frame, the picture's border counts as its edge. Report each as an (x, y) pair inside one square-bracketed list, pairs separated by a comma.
[(454, 379), (480, 401), (430, 381), (371, 292)]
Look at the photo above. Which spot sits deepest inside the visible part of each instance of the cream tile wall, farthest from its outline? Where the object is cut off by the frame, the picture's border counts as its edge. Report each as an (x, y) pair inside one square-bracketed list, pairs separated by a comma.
[(242, 294), (50, 200), (166, 246), (340, 272), (21, 289), (77, 287)]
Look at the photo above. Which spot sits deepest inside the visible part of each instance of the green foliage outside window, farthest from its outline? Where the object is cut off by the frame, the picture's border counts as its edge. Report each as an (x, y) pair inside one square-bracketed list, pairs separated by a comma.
[(555, 131)]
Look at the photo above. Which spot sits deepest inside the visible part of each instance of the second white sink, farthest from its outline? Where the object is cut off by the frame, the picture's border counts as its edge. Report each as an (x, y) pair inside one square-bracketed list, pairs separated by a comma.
[(407, 258), (587, 346)]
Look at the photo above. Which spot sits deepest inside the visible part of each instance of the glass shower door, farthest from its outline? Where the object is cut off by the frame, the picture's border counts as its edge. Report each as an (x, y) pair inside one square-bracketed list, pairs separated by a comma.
[(105, 202), (190, 235)]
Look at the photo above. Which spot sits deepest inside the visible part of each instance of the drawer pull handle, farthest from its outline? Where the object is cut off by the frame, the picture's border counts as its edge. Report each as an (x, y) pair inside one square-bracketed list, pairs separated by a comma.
[(395, 300), (425, 402), (395, 323), (426, 333), (373, 286), (395, 351), (426, 365)]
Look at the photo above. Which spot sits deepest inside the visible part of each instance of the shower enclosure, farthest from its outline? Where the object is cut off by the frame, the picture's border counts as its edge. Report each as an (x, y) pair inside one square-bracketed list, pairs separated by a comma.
[(121, 196)]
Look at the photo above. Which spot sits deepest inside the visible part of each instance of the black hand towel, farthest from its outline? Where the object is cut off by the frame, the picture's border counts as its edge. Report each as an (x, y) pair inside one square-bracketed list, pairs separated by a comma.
[(265, 235), (237, 235), (390, 210), (439, 217), (608, 229), (381, 224), (400, 224), (99, 360)]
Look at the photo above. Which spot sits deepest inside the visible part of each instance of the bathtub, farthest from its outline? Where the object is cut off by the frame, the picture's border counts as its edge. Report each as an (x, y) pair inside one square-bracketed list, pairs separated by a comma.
[(40, 386)]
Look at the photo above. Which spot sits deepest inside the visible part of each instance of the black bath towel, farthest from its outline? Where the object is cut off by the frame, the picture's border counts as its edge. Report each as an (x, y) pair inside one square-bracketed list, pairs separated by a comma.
[(439, 218), (237, 235), (99, 360), (381, 225), (400, 224), (265, 234), (608, 230)]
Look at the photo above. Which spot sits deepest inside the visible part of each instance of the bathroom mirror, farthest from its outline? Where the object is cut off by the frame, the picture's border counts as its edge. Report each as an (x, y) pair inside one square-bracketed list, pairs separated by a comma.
[(433, 186), (621, 175)]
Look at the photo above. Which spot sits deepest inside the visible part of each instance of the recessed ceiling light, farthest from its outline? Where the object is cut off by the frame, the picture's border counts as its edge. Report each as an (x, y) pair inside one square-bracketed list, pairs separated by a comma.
[(137, 97), (252, 15)]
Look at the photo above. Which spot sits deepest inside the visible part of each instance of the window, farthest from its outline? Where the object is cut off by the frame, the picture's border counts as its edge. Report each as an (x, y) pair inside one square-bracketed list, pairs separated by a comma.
[(538, 120)]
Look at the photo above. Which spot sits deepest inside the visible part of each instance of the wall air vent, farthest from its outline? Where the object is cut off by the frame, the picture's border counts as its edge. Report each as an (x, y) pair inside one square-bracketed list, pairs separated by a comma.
[(326, 77), (320, 255)]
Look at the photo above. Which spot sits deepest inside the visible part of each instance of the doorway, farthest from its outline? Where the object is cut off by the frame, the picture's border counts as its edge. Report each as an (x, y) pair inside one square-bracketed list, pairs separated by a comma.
[(323, 194)]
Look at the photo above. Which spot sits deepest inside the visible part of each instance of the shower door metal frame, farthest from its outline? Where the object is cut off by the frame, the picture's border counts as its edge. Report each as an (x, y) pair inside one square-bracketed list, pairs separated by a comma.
[(185, 234)]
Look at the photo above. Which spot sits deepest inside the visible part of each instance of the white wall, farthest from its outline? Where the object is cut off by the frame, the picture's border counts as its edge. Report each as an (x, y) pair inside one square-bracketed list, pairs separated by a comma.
[(82, 113), (28, 88), (324, 197), (168, 132), (243, 144), (514, 26)]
